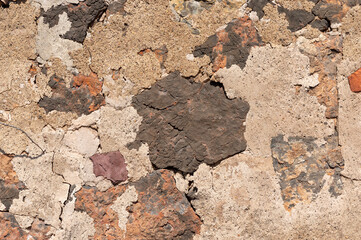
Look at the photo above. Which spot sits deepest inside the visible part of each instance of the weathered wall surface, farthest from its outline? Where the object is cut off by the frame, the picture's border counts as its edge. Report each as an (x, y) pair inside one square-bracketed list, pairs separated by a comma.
[(180, 119)]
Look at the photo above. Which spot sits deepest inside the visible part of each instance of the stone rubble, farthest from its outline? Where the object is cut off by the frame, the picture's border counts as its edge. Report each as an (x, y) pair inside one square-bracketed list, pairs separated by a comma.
[(180, 119)]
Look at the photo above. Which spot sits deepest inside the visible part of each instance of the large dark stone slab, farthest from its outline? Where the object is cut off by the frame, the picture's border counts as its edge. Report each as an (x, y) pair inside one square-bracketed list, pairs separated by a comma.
[(187, 123)]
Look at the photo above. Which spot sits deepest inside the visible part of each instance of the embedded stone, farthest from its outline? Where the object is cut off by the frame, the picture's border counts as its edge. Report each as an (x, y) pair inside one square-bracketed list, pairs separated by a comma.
[(257, 6), (301, 166), (332, 11), (110, 165), (324, 61), (297, 19), (186, 123), (10, 186), (81, 16), (9, 192), (231, 45), (10, 229), (355, 81), (83, 97), (161, 211)]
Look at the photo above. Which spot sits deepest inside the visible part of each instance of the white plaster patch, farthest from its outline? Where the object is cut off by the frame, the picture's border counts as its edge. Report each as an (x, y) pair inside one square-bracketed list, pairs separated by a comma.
[(24, 221), (120, 205), (85, 120), (45, 191), (49, 44), (84, 141), (181, 183), (309, 81), (2, 207), (52, 138)]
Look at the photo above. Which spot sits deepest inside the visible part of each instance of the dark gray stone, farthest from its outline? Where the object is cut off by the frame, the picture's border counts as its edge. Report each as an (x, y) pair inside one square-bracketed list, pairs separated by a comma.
[(297, 19), (187, 123), (241, 37), (80, 15), (258, 5), (302, 164)]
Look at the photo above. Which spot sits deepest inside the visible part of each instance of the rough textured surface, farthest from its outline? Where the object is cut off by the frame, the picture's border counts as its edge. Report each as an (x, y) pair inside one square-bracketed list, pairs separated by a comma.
[(111, 165), (252, 106), (269, 84), (10, 229), (230, 45), (182, 127), (355, 81), (157, 210), (83, 97), (302, 166), (349, 113), (297, 19), (241, 198), (127, 123), (81, 16), (325, 55), (9, 183)]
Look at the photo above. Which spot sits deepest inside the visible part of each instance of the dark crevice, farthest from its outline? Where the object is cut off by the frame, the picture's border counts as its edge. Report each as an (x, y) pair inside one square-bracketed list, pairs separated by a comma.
[(27, 135)]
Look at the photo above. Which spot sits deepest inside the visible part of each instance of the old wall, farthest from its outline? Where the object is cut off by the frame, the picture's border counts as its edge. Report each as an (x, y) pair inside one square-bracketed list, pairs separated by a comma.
[(180, 119)]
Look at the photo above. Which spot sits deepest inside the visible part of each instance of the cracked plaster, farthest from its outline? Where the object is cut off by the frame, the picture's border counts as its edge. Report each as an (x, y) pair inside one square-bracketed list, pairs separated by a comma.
[(238, 198)]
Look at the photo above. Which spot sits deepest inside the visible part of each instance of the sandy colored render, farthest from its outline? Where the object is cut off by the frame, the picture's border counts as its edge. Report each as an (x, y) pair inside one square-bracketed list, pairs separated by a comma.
[(150, 25), (268, 84), (349, 111), (241, 199)]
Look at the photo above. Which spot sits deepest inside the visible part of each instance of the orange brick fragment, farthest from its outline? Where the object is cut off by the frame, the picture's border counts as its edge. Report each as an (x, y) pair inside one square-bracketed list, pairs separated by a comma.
[(355, 81)]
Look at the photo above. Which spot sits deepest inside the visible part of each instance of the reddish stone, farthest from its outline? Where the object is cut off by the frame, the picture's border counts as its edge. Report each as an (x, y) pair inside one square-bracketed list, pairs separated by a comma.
[(231, 45), (10, 229), (90, 82), (10, 186), (355, 81), (83, 97), (6, 170), (110, 165), (324, 63), (160, 53), (161, 212), (33, 71), (97, 205)]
